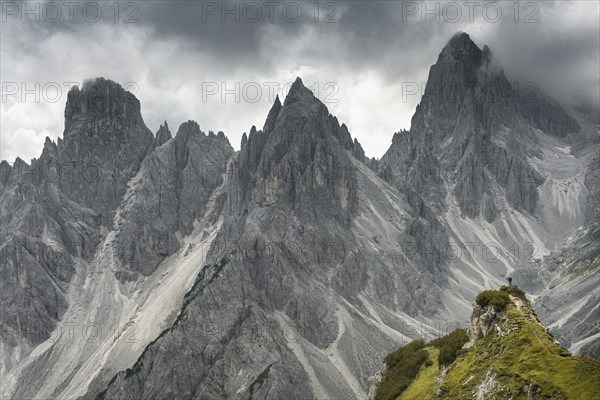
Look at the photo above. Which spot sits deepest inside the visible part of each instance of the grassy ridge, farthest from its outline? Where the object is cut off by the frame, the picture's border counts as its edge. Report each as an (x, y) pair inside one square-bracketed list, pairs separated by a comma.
[(450, 346), (403, 366), (523, 360), (524, 357)]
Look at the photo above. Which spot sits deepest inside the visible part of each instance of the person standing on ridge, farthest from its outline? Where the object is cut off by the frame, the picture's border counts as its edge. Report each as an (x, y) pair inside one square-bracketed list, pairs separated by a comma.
[(509, 278)]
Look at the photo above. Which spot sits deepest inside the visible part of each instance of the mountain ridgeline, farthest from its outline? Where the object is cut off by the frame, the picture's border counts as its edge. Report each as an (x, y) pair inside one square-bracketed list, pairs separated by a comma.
[(171, 266)]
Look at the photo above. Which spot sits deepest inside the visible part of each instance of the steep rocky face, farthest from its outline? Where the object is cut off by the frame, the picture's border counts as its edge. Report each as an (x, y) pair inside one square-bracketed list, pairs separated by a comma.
[(52, 210), (290, 268), (302, 162), (297, 256), (571, 276), (163, 135), (175, 183), (468, 135), (96, 214), (569, 303), (106, 138), (592, 182), (504, 170), (546, 114)]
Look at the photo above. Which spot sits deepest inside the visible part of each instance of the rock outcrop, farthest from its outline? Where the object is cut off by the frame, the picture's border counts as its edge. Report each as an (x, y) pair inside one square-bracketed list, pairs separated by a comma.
[(483, 321)]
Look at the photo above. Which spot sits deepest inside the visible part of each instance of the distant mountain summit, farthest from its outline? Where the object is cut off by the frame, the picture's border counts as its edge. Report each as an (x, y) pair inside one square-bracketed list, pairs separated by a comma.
[(472, 134)]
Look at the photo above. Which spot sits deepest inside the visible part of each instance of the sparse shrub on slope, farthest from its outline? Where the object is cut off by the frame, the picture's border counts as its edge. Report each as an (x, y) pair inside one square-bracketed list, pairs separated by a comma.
[(514, 291), (495, 298), (449, 346), (403, 367)]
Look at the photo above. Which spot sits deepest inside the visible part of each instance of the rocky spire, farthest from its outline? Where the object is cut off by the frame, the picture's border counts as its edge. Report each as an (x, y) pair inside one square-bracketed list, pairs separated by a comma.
[(299, 93), (105, 134), (187, 129), (461, 47), (162, 135), (101, 101), (272, 116), (466, 102)]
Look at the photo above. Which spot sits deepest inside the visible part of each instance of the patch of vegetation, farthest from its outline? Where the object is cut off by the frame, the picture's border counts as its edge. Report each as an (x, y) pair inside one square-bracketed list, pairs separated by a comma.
[(514, 291), (403, 367), (524, 362), (526, 355), (450, 346), (260, 379), (423, 387), (495, 298)]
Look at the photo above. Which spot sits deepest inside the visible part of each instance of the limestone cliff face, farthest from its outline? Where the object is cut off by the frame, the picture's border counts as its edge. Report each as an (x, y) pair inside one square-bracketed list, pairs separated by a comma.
[(174, 185), (298, 265), (106, 137), (472, 134), (52, 210), (303, 159)]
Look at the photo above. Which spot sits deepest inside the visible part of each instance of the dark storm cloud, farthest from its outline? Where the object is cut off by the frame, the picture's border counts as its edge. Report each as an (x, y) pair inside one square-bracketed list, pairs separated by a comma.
[(233, 32), (369, 48), (392, 37), (363, 34), (560, 53), (395, 38)]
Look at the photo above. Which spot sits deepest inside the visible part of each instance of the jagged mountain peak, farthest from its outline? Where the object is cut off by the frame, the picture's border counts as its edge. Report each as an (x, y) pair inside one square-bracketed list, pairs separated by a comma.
[(299, 193), (272, 116), (20, 163), (299, 97), (301, 110), (102, 100), (297, 85), (187, 129), (461, 47), (163, 135), (49, 143), (469, 122)]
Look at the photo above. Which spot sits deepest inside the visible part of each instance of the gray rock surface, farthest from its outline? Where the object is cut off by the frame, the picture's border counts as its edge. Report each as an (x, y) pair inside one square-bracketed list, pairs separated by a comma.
[(289, 214), (163, 135), (483, 321), (572, 278), (52, 210), (175, 183), (467, 135)]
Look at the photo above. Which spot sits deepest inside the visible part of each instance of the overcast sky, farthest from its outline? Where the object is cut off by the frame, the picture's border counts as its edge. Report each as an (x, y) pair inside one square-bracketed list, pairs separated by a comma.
[(361, 58)]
